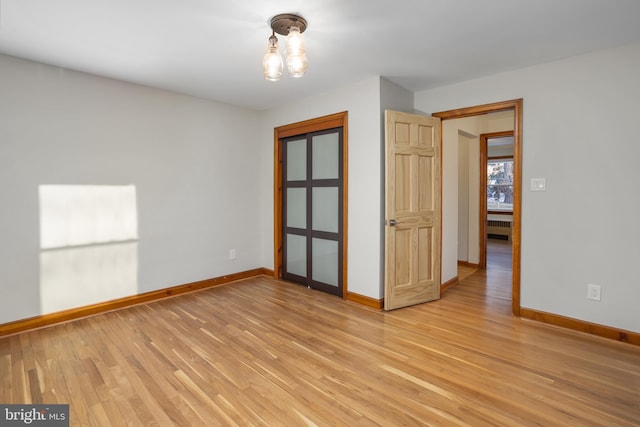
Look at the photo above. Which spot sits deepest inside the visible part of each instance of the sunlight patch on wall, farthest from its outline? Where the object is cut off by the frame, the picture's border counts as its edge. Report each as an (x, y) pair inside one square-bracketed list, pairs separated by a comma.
[(76, 277), (74, 215), (88, 242)]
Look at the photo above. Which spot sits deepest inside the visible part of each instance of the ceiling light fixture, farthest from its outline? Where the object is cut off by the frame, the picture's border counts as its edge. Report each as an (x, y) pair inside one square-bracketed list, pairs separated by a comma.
[(292, 26)]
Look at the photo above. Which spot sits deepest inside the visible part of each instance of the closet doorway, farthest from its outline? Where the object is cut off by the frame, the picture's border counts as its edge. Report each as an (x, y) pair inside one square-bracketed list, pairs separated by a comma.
[(310, 204)]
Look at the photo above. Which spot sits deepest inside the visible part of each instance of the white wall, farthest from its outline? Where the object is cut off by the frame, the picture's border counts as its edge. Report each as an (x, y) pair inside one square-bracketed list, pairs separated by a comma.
[(464, 146), (392, 97), (362, 101), (459, 234), (191, 159), (193, 163), (579, 133), (203, 172)]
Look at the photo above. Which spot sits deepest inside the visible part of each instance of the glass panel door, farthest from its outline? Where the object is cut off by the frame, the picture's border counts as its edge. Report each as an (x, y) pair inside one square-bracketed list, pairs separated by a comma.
[(312, 198), (325, 261), (295, 212)]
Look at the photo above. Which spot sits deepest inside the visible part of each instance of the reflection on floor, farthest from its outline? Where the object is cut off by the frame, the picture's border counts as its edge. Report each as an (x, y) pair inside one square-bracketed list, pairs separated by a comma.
[(498, 271), (498, 254), (495, 281)]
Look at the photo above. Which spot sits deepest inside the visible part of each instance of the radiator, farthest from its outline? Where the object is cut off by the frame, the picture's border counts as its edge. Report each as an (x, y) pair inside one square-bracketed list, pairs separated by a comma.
[(500, 229)]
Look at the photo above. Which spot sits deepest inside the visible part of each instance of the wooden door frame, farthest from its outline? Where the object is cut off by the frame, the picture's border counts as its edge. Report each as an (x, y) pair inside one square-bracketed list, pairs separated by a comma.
[(484, 158), (516, 106), (300, 128)]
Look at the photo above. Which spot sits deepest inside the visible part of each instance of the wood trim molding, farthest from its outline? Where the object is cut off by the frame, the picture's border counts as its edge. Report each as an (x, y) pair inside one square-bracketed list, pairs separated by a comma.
[(516, 106), (299, 128), (449, 283), (37, 322), (345, 203), (517, 207), (478, 110), (277, 205), (313, 125), (468, 264), (582, 326), (366, 301), (482, 211)]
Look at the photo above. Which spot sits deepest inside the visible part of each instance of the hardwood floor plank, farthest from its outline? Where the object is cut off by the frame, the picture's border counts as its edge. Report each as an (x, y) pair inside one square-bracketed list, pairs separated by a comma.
[(264, 352)]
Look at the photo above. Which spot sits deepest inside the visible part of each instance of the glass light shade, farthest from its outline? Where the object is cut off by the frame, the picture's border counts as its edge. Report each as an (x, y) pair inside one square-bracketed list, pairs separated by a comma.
[(296, 53), (295, 43), (272, 63), (297, 65)]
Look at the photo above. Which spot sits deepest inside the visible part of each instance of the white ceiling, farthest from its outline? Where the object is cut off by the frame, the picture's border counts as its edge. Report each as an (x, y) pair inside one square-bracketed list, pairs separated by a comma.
[(213, 48)]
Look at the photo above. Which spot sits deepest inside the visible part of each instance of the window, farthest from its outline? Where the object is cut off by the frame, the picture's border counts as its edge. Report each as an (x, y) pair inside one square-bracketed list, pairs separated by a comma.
[(500, 185)]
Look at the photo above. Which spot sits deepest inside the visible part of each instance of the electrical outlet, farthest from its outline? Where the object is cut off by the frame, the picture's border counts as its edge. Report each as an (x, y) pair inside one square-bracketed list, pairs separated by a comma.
[(593, 292), (232, 254)]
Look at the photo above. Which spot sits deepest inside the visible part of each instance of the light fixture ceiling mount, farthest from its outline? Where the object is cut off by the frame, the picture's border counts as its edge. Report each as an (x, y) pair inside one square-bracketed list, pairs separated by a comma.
[(292, 26), (283, 22)]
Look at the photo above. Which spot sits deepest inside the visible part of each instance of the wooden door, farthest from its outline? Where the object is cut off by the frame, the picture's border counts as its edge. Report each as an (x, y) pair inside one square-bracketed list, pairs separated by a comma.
[(412, 208)]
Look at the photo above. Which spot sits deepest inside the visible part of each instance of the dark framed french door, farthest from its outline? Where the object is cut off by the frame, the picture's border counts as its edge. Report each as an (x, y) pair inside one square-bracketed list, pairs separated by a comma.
[(312, 209)]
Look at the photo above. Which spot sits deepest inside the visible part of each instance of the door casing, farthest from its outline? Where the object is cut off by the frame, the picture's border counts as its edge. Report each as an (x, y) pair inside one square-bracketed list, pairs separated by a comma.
[(299, 128), (516, 106)]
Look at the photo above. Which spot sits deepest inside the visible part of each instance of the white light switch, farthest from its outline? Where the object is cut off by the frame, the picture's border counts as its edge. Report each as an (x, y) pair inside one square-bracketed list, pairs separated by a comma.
[(538, 184)]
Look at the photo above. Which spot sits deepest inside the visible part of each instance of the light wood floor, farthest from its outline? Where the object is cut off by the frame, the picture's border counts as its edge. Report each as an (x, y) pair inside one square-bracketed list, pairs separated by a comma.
[(261, 352)]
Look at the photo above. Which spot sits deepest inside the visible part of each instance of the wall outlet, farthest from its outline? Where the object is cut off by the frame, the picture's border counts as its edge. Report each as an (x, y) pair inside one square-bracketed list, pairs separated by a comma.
[(593, 292), (232, 254)]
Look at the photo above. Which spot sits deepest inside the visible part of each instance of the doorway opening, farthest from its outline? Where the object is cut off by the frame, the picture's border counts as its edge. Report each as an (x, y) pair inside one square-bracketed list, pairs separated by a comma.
[(310, 203), (514, 106), (496, 179)]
